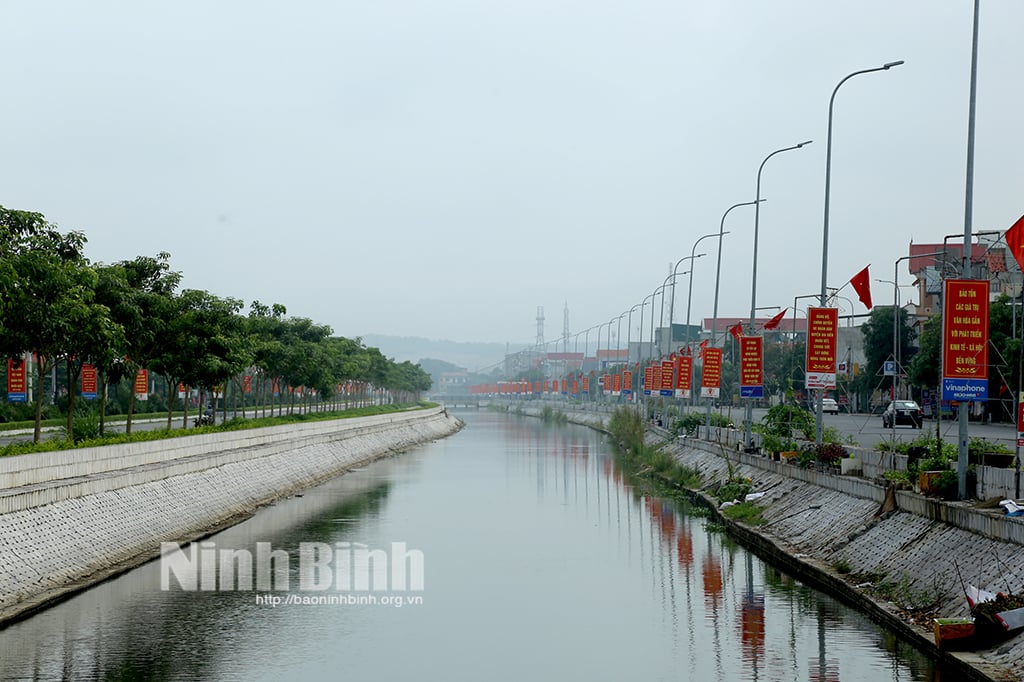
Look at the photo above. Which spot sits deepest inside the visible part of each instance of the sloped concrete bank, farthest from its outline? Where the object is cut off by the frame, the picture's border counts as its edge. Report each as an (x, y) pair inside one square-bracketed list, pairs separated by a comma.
[(817, 522), (71, 519)]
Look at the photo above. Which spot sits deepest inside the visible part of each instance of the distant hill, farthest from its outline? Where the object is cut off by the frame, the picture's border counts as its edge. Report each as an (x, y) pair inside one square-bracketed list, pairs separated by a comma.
[(472, 356)]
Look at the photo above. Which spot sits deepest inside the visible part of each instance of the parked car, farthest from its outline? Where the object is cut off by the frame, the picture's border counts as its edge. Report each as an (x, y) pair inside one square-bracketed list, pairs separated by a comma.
[(829, 406), (902, 412)]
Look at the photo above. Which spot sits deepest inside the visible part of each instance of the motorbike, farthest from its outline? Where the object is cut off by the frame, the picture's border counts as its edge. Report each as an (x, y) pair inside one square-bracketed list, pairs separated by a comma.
[(203, 420)]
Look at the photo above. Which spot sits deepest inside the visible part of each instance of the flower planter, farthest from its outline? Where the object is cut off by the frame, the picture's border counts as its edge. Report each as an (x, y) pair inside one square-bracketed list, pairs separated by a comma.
[(953, 633), (928, 481), (850, 465)]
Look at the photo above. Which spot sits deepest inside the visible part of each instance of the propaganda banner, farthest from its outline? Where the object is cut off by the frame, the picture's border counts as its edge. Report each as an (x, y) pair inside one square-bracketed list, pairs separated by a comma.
[(711, 376), (965, 340), (575, 386), (246, 383), (1020, 420), (88, 381), (666, 385), (17, 391), (142, 384), (656, 379), (617, 384), (586, 384), (751, 367), (684, 376), (648, 379), (565, 387), (627, 382), (822, 333)]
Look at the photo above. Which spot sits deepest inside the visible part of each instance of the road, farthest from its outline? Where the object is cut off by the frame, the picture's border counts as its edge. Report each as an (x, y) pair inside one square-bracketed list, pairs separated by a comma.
[(867, 431)]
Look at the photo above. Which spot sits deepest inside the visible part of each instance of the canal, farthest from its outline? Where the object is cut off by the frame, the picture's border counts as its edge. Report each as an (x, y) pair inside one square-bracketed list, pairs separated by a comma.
[(540, 559)]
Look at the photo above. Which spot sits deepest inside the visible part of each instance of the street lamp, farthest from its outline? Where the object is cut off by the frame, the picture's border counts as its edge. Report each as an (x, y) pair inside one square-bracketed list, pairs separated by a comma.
[(672, 300), (629, 330), (718, 278), (748, 438), (689, 291), (828, 181)]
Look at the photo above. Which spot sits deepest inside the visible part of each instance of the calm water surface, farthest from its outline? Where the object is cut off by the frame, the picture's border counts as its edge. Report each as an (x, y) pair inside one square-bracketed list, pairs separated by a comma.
[(542, 562)]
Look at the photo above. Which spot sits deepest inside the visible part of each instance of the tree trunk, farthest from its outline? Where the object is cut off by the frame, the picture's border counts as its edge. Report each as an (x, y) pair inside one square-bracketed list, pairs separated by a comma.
[(40, 374), (170, 401)]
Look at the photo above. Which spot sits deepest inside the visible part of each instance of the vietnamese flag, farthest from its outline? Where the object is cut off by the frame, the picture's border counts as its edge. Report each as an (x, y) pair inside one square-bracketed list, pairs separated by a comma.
[(736, 330), (862, 285), (1015, 240), (774, 322)]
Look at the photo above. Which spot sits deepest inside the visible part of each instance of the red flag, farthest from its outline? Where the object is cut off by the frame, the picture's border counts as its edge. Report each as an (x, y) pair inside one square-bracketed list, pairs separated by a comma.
[(862, 285), (703, 345), (1015, 240), (774, 322), (736, 330)]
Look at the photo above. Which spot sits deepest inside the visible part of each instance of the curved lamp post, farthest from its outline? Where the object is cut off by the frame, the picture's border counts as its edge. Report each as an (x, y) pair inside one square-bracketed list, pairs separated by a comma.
[(824, 231), (749, 420), (718, 279), (672, 299)]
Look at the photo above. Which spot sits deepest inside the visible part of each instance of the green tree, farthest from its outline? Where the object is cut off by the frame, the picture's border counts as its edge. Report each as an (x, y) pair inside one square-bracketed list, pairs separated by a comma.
[(878, 345), (46, 291)]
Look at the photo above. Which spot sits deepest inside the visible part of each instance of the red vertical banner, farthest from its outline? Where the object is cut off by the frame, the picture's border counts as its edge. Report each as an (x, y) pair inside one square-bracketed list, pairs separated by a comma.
[(586, 384), (565, 386), (617, 383), (711, 375), (246, 383), (142, 385), (16, 384), (965, 340), (684, 376), (822, 334), (88, 381), (1020, 420), (575, 386), (648, 379), (667, 383), (751, 367), (627, 382), (656, 379)]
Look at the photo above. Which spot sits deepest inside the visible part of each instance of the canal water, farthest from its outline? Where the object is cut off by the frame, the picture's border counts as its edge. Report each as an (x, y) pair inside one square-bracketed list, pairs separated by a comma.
[(539, 560)]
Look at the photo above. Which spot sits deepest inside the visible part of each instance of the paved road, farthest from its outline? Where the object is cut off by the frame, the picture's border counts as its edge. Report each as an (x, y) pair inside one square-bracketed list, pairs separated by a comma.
[(867, 430)]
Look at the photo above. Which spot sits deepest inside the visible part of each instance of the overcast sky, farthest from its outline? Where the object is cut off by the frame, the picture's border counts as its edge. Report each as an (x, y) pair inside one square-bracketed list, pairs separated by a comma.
[(441, 168)]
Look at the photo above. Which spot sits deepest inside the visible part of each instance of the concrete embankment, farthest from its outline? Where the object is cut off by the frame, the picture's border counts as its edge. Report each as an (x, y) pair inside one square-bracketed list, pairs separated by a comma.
[(817, 523), (73, 518)]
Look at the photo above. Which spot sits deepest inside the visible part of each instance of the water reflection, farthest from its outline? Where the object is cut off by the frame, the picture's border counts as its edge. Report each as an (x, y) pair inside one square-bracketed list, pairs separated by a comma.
[(546, 560)]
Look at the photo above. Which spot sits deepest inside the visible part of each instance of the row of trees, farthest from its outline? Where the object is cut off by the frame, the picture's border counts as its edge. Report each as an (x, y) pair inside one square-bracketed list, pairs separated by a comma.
[(128, 315)]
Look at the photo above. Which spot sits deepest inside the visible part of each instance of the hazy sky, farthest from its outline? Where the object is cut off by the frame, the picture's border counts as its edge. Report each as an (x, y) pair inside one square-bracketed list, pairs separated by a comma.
[(441, 168)]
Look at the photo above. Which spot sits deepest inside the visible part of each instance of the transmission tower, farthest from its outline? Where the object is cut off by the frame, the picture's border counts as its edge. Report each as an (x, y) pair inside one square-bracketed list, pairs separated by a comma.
[(565, 329), (540, 327)]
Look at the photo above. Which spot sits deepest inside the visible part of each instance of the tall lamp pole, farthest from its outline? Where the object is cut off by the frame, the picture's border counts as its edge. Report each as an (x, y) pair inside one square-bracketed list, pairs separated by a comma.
[(689, 289), (824, 231), (718, 279), (749, 421), (672, 299)]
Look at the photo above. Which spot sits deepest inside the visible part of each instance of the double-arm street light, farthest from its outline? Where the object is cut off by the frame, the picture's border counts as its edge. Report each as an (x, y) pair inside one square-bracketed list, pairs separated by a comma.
[(749, 421), (824, 231)]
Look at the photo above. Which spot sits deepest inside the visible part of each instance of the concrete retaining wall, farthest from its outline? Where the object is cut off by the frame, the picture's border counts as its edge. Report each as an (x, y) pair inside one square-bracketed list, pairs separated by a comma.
[(114, 507)]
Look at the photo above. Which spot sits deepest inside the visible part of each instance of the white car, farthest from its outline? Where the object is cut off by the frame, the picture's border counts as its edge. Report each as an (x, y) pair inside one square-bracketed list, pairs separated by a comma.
[(829, 406)]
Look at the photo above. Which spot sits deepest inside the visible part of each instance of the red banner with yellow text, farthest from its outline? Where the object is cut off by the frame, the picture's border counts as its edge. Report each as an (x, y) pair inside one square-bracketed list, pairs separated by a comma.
[(711, 375), (822, 334)]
